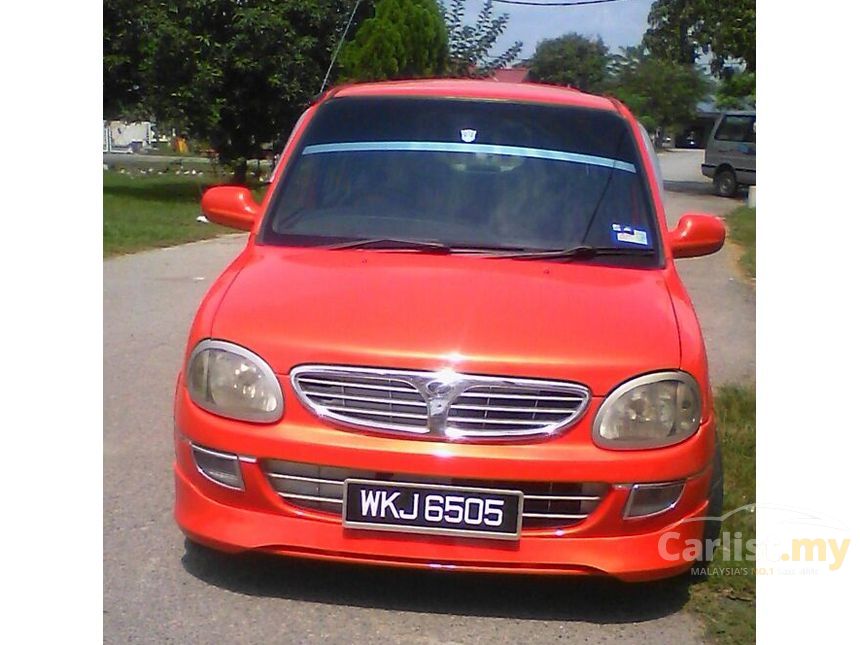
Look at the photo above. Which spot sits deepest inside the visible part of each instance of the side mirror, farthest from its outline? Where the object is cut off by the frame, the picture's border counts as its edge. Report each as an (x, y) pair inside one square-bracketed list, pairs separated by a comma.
[(232, 206), (696, 235)]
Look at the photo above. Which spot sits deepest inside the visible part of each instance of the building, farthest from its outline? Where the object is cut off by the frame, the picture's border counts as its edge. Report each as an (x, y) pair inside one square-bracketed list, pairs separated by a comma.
[(695, 133), (511, 75), (119, 136)]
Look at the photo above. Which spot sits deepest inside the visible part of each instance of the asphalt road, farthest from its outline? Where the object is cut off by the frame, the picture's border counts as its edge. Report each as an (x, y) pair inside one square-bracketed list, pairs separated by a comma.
[(724, 298), (157, 589)]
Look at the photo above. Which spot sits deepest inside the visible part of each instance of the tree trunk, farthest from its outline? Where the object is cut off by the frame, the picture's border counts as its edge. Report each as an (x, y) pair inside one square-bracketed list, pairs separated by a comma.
[(240, 171)]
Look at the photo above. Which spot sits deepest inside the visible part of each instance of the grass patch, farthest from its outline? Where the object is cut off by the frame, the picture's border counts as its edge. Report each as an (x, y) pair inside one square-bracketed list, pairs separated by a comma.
[(144, 211), (741, 223), (726, 600)]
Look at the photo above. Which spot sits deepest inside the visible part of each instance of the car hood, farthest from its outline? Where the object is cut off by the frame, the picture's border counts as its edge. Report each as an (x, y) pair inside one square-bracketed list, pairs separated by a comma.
[(592, 324)]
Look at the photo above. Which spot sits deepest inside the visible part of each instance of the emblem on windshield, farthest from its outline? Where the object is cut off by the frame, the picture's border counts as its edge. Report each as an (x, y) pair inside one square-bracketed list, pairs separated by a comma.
[(468, 135)]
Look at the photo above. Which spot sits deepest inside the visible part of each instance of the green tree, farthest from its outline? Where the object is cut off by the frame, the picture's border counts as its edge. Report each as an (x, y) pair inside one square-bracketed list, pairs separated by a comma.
[(571, 60), (124, 31), (736, 91), (236, 74), (683, 30), (403, 39), (661, 93), (728, 33), (674, 30), (470, 45)]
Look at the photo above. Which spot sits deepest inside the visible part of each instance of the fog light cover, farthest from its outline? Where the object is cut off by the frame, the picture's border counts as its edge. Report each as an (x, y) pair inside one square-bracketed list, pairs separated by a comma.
[(219, 467), (646, 500)]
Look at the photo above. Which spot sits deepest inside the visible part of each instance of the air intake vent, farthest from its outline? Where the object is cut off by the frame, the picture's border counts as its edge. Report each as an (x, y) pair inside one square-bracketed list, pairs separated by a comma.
[(545, 504)]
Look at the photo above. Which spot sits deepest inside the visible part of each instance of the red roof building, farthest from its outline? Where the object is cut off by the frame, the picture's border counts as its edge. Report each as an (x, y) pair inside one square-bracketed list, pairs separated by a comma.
[(511, 75)]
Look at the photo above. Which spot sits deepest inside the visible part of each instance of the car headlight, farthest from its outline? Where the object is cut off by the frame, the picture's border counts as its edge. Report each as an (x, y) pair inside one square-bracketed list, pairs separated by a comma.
[(231, 381), (650, 411)]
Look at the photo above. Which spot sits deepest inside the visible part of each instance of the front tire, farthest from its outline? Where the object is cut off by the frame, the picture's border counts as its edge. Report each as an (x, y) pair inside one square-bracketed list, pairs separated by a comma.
[(715, 499), (726, 183)]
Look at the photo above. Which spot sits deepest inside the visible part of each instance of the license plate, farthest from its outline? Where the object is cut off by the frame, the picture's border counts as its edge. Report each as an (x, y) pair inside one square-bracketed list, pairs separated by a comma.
[(430, 508)]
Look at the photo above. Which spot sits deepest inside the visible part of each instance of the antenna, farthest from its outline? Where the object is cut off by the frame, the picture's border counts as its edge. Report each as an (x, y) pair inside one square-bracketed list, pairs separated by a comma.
[(339, 45)]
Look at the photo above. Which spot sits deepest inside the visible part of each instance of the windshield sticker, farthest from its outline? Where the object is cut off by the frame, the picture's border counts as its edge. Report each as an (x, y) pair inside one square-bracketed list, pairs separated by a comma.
[(630, 235), (468, 135), (471, 148)]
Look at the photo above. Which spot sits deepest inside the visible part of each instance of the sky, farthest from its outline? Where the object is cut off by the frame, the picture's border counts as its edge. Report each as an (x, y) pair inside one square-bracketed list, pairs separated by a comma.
[(619, 23)]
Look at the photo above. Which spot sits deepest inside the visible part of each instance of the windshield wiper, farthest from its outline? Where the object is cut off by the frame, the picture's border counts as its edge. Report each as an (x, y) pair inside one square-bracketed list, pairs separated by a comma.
[(433, 246), (391, 243), (583, 251)]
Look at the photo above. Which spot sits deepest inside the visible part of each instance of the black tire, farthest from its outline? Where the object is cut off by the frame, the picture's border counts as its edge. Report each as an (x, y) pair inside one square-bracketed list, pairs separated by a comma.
[(198, 551), (715, 499), (202, 555), (726, 183)]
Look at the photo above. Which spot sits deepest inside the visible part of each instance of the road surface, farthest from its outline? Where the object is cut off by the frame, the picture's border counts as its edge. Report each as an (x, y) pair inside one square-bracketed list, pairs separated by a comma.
[(157, 591), (724, 298)]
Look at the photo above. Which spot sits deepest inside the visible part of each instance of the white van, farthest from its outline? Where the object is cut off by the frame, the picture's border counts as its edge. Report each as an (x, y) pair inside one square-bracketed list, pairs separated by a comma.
[(730, 153)]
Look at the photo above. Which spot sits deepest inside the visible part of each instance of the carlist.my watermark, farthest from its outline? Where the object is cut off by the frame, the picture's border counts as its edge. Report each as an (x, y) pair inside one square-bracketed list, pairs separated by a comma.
[(811, 545)]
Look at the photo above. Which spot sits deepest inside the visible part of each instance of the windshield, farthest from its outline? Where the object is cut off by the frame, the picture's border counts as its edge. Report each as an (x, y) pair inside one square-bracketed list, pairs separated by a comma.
[(467, 174)]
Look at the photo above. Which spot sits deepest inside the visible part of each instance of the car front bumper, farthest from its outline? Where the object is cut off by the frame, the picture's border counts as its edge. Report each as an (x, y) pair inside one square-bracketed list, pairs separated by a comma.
[(604, 543)]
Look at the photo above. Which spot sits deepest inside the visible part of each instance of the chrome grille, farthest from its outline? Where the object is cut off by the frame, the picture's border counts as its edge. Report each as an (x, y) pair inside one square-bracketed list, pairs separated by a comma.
[(513, 409), (545, 504), (441, 404), (365, 398)]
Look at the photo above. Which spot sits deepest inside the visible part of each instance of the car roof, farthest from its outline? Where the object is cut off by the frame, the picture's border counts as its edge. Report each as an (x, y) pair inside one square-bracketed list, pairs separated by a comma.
[(476, 89)]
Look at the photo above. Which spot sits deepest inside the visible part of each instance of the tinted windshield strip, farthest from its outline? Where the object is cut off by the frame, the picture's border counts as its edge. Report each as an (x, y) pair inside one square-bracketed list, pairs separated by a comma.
[(444, 146)]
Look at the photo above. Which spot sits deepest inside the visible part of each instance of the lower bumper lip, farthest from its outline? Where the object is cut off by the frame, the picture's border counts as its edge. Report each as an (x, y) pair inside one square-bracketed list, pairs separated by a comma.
[(630, 556)]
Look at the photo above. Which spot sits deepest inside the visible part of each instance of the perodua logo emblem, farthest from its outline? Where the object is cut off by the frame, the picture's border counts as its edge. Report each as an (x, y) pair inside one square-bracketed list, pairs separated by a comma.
[(468, 135), (439, 391), (438, 387)]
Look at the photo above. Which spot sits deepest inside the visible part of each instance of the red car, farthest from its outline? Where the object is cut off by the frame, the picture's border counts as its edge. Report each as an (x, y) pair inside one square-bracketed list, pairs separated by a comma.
[(455, 339)]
